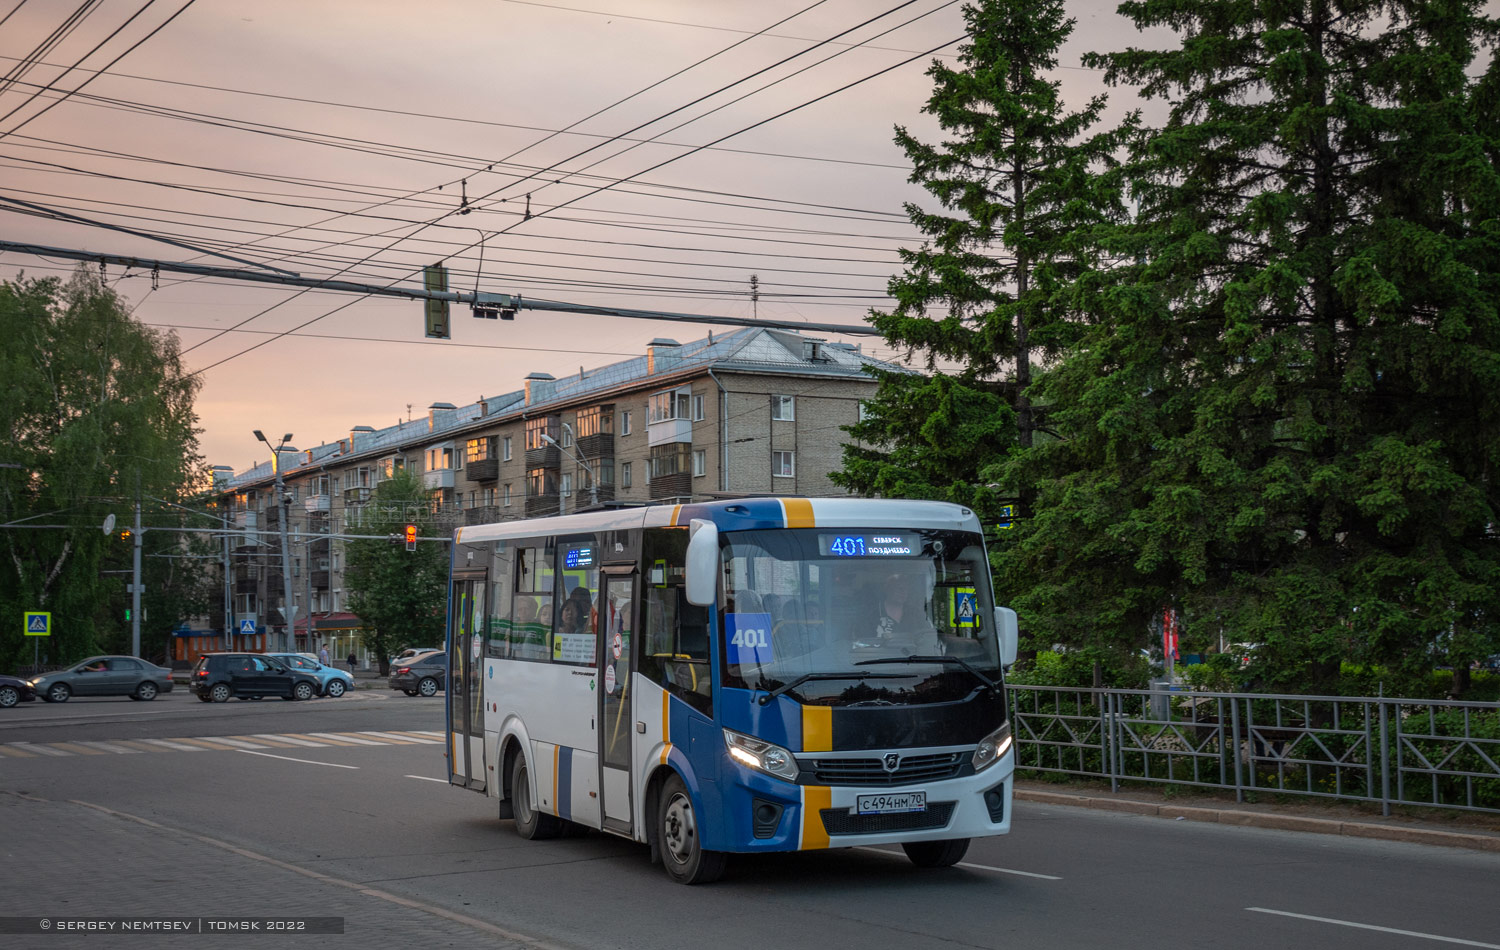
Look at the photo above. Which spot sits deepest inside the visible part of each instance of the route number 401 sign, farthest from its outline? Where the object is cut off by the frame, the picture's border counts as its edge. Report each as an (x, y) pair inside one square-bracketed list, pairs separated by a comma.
[(747, 638)]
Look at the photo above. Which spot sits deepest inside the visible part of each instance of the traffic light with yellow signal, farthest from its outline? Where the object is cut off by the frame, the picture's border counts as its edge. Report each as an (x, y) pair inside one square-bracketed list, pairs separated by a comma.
[(411, 537)]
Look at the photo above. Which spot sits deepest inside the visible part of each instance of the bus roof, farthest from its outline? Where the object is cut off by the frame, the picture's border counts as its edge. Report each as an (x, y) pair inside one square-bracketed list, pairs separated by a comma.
[(741, 515)]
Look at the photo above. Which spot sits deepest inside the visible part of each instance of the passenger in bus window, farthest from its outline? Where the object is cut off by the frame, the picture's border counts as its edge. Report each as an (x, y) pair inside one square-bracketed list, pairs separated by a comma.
[(902, 622), (574, 617)]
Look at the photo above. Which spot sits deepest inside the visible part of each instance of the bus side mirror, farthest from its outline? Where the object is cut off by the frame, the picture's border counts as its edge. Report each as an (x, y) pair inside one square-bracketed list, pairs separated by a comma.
[(1010, 635), (702, 563)]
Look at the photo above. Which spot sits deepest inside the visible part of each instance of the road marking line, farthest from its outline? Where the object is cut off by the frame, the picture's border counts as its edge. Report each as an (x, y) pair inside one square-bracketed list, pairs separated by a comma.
[(268, 741), (167, 744), (345, 738), (136, 745), (111, 747), (38, 749), (419, 736), (76, 747), (305, 743), (10, 750), (211, 744), (429, 778), (327, 739), (368, 891), (396, 737), (1386, 930), (426, 732), (977, 867), (238, 743), (287, 758)]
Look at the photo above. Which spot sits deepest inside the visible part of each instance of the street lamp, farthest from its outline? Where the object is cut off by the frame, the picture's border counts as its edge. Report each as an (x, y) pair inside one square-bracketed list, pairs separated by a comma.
[(289, 643), (593, 477)]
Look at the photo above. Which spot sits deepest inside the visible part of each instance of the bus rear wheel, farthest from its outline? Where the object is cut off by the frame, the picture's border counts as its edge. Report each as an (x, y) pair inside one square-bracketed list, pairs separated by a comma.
[(677, 833), (530, 823), (936, 854)]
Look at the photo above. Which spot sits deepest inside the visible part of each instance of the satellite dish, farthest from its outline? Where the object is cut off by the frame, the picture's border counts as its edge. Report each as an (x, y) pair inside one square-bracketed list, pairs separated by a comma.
[(109, 523)]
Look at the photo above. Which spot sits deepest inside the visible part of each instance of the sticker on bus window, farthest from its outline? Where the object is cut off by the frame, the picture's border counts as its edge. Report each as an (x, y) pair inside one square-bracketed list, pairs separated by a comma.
[(964, 607), (747, 639)]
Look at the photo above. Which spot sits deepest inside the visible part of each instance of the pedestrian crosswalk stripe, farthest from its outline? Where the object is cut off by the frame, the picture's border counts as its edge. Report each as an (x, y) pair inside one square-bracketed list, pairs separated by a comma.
[(348, 738), (169, 744), (400, 738), (303, 740), (39, 749), (76, 748), (111, 747), (292, 739)]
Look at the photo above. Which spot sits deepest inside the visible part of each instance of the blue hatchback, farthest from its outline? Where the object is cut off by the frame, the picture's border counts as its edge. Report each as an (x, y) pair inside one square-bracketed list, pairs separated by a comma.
[(331, 681)]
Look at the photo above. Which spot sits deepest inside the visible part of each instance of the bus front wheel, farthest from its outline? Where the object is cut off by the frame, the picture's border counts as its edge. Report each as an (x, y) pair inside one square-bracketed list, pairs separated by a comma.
[(530, 823), (936, 854), (677, 832)]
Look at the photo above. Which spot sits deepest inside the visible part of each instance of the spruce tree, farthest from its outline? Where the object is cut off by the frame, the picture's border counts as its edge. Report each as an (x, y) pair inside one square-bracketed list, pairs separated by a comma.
[(1286, 416), (1016, 178)]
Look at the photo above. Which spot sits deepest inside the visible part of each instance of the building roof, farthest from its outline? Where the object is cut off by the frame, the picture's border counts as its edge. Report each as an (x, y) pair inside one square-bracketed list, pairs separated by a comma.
[(750, 350)]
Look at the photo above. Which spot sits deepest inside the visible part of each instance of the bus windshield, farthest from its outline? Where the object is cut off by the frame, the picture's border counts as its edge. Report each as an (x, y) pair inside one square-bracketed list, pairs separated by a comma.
[(858, 616)]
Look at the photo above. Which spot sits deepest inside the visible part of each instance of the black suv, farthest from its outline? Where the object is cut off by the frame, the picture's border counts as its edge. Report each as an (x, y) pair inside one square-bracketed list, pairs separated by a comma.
[(218, 676), (421, 675)]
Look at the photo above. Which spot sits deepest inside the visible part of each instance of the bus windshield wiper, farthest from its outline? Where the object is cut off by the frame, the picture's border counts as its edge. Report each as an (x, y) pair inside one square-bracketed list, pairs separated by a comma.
[(989, 684), (809, 677)]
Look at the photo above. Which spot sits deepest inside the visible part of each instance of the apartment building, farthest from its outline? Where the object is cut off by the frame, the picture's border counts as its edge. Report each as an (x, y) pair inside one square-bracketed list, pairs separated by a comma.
[(753, 412)]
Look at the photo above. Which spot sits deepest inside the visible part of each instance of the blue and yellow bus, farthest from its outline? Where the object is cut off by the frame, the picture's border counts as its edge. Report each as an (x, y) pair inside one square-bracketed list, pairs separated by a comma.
[(767, 674)]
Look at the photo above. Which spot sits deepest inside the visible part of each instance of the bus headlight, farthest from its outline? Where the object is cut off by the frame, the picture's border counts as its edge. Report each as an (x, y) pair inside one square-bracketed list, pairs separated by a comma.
[(761, 755), (992, 748)]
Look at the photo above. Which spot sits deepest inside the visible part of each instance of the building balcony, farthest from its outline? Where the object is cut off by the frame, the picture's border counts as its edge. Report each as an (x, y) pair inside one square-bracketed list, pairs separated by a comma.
[(541, 505), (598, 445), (548, 456), (320, 580), (441, 478), (316, 503), (356, 496), (486, 514), (244, 585), (484, 470), (671, 486), (272, 518)]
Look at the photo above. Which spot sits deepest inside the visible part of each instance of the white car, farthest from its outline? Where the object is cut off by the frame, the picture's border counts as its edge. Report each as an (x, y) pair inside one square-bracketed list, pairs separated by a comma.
[(410, 652)]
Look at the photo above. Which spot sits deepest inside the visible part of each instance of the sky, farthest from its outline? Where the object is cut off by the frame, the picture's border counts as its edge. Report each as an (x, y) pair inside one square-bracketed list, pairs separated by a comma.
[(363, 139)]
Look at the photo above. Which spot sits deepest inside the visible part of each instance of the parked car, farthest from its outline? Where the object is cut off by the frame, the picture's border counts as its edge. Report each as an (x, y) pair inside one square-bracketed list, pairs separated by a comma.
[(104, 676), (14, 690), (218, 676), (422, 675), (331, 681), (413, 652)]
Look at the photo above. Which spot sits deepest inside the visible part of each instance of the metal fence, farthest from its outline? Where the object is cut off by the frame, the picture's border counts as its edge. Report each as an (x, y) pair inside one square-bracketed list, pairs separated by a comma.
[(1433, 753)]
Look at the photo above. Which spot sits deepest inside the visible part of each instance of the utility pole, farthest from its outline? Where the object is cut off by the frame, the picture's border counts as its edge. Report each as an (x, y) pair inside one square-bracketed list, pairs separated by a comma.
[(135, 584), (285, 501), (228, 597)]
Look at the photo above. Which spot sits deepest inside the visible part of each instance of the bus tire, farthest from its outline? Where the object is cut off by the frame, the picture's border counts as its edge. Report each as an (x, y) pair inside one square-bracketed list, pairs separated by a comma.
[(530, 823), (682, 851), (936, 854)]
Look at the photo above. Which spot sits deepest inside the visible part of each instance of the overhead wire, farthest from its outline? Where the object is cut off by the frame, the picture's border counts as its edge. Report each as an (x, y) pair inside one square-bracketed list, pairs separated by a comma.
[(68, 69)]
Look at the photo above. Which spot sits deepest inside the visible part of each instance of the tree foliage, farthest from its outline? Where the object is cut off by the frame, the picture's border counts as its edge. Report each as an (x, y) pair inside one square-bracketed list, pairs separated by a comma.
[(399, 594), (98, 413), (1285, 416)]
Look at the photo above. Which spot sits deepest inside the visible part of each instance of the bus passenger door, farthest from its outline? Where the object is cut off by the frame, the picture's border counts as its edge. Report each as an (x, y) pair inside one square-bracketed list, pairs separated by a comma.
[(616, 627), (466, 765)]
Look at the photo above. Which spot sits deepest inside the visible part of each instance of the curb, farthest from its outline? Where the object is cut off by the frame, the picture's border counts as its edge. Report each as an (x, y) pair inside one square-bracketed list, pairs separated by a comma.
[(1255, 819)]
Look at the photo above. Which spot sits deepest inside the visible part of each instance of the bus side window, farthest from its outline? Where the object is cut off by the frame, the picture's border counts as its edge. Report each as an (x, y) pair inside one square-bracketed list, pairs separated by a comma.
[(674, 654), (498, 626), (531, 608)]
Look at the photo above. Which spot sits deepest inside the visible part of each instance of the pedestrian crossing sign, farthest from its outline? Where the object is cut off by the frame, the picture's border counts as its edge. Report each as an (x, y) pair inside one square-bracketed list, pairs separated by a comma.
[(247, 627), (964, 606), (38, 623)]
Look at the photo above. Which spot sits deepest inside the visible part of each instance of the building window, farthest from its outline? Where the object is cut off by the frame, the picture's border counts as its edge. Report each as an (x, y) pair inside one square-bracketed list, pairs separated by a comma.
[(700, 463), (624, 423), (667, 406), (479, 450), (782, 408), (338, 597), (244, 604), (697, 408), (864, 410), (596, 420), (565, 485), (625, 472), (673, 458), (783, 465), (538, 427), (567, 438), (439, 460), (507, 492), (505, 445)]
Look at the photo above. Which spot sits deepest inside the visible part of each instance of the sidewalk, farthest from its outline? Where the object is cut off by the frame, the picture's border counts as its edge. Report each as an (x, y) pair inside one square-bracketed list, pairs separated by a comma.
[(1475, 831)]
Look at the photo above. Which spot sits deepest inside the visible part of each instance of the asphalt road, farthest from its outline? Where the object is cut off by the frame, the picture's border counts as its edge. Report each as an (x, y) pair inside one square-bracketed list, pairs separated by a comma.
[(367, 829)]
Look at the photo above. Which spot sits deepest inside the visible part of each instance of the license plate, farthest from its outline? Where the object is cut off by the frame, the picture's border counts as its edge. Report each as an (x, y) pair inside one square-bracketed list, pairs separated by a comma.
[(892, 804)]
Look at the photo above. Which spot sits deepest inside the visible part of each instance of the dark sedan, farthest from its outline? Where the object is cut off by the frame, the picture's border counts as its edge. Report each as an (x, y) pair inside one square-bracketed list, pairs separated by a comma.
[(104, 676), (421, 675), (15, 690)]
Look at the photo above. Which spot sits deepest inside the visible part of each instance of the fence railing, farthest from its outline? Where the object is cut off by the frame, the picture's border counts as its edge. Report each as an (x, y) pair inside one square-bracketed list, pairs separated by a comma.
[(1433, 753)]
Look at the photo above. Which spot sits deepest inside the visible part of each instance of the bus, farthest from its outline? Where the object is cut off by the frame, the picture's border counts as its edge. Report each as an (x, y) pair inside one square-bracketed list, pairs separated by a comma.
[(738, 676)]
